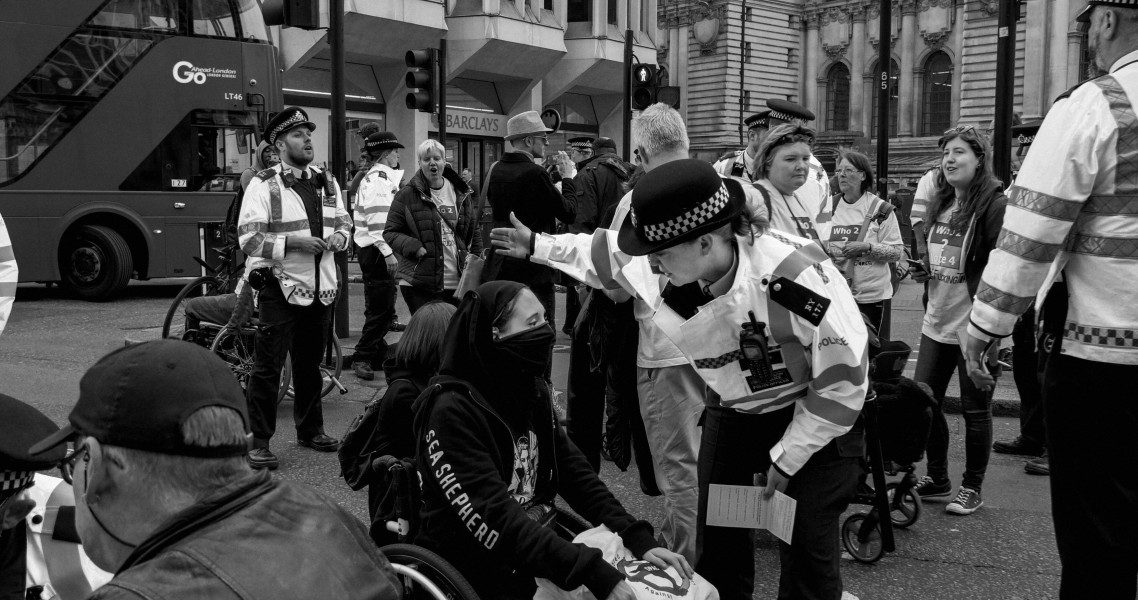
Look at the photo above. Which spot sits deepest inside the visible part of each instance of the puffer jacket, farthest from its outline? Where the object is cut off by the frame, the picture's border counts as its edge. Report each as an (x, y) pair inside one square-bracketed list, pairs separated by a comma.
[(257, 539), (415, 223)]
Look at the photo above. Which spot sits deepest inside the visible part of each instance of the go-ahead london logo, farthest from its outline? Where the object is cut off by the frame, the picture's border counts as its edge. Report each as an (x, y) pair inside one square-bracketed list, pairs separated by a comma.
[(185, 72)]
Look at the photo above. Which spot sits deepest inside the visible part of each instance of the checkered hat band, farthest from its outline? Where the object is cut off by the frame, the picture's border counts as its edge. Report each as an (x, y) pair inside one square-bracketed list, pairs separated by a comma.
[(1026, 140), (758, 124), (691, 219), (287, 123), (783, 116), (14, 480), (581, 145)]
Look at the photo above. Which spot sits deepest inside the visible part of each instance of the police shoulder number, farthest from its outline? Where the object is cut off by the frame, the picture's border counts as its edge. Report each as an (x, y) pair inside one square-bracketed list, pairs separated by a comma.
[(799, 299)]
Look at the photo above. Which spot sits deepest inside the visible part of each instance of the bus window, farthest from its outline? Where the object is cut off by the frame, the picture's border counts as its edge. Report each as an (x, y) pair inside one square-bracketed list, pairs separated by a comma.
[(253, 26), (223, 153), (214, 18), (145, 15)]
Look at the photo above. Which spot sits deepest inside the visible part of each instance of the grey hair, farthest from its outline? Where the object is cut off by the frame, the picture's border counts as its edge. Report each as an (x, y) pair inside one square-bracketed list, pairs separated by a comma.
[(659, 129), (429, 145), (171, 477)]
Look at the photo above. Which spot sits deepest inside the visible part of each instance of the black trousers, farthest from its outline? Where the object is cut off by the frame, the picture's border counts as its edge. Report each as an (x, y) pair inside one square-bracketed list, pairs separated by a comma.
[(379, 307), (733, 448), (1025, 372), (285, 328), (874, 311), (1091, 417)]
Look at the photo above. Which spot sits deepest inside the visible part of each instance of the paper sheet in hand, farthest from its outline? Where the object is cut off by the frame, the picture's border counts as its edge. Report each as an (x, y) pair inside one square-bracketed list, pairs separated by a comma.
[(744, 506)]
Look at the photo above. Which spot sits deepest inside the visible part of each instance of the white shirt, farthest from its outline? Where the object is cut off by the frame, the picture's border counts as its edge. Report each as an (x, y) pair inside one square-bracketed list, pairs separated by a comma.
[(949, 302), (445, 204), (870, 280)]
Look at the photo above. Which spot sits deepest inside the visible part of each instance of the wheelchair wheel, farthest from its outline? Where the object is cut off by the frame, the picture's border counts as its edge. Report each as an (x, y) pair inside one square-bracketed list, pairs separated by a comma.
[(906, 509), (238, 350), (425, 574), (869, 551), (330, 368), (174, 325)]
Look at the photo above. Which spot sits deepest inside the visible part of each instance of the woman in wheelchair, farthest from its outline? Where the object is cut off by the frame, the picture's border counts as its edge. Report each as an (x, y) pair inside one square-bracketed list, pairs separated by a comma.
[(492, 458)]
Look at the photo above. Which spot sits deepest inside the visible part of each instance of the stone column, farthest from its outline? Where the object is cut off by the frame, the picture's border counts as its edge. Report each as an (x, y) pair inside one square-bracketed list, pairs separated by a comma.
[(1035, 76), (857, 68), (1057, 66), (906, 92), (810, 62)]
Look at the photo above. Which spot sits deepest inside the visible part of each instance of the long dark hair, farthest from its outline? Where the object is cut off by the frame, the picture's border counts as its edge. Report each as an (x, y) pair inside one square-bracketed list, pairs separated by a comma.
[(983, 182)]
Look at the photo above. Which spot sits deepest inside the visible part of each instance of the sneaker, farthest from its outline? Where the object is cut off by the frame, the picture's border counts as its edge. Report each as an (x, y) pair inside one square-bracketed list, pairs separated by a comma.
[(1038, 466), (1021, 446), (929, 488), (967, 501), (363, 370), (263, 458)]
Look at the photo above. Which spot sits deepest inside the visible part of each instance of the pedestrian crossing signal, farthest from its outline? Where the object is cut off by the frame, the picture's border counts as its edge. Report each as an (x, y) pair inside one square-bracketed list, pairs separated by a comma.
[(643, 86)]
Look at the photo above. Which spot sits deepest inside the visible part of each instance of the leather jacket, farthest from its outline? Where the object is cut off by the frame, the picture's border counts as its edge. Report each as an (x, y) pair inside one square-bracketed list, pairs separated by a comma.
[(257, 539)]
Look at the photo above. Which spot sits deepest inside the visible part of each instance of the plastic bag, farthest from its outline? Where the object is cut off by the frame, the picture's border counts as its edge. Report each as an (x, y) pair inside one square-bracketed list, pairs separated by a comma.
[(648, 581)]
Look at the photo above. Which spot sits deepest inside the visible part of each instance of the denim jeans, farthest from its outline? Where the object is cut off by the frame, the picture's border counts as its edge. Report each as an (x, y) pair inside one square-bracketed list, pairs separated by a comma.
[(671, 402), (936, 362)]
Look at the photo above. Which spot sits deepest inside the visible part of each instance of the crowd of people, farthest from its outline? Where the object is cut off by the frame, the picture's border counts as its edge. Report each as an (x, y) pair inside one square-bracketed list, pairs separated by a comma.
[(721, 339)]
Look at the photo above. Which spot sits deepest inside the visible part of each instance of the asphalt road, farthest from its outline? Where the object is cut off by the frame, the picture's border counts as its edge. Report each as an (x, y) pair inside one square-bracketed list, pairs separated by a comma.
[(1004, 551)]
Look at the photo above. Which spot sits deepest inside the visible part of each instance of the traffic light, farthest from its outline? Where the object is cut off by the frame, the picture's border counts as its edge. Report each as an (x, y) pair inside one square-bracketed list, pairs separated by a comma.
[(643, 86), (302, 14), (669, 95), (422, 80)]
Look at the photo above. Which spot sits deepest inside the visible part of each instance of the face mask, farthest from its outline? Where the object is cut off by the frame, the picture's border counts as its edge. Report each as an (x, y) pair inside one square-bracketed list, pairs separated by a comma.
[(529, 350)]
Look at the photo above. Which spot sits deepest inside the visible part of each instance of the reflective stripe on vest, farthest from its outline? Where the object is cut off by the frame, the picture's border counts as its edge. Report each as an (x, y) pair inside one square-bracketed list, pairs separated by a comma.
[(64, 564)]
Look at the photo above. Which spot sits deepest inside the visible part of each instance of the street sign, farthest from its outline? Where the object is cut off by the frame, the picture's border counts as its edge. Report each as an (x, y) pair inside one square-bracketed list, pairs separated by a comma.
[(552, 119)]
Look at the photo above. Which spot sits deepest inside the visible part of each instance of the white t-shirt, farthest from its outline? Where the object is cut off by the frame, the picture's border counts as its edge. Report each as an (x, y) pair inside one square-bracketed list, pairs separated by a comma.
[(949, 302), (925, 189), (869, 279), (796, 214), (444, 200)]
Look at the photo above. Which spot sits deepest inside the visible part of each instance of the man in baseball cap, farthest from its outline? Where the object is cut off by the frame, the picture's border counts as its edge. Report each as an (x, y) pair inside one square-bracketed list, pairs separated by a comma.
[(166, 499)]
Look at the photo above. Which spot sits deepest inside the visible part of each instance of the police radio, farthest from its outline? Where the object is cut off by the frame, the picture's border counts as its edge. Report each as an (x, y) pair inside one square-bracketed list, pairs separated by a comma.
[(753, 346)]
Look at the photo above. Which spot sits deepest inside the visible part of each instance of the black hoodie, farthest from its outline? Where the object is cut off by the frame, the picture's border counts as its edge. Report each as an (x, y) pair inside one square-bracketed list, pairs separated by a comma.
[(465, 454)]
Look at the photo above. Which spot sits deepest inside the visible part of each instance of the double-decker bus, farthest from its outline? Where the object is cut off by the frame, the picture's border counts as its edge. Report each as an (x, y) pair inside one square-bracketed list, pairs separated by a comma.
[(124, 127)]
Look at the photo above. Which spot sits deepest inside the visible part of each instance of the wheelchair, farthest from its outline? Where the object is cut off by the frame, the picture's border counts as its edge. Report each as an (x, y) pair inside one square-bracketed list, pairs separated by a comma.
[(423, 573), (198, 320)]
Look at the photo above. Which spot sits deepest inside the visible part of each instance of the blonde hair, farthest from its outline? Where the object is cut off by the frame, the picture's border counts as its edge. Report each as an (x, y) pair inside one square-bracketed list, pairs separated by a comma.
[(429, 145)]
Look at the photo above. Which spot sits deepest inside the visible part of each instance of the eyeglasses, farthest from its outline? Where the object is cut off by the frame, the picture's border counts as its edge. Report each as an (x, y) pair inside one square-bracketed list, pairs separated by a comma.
[(960, 129), (67, 465), (849, 171)]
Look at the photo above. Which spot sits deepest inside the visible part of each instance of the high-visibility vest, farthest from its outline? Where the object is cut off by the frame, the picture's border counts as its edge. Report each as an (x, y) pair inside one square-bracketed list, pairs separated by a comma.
[(56, 562), (272, 211)]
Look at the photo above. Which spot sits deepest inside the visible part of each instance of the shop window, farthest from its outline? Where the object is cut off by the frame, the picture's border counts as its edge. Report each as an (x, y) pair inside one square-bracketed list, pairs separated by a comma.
[(938, 94), (838, 98)]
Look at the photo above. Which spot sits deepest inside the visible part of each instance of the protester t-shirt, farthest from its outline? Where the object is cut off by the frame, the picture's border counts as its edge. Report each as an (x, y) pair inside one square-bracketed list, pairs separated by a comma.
[(869, 279), (795, 214), (445, 203), (523, 480), (949, 302), (925, 189)]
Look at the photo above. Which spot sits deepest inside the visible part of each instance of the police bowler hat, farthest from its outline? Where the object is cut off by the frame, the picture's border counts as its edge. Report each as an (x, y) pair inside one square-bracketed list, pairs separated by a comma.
[(678, 203)]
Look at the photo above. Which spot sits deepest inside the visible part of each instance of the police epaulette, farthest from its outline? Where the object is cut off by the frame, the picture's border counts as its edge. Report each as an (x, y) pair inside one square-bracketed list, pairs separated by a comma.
[(266, 174), (799, 299), (1067, 94)]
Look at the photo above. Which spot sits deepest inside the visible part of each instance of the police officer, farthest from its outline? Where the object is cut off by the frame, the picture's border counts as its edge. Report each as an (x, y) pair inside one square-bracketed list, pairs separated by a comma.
[(292, 222), (740, 163), (580, 149), (9, 274), (40, 553), (744, 305), (1070, 238), (377, 261)]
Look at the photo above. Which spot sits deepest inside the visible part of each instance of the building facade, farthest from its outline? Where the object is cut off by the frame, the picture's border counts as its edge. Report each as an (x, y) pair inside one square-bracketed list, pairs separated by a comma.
[(824, 55), (503, 57)]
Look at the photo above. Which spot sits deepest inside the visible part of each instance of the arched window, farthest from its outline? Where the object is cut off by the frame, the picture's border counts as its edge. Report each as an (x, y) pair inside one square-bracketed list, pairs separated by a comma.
[(838, 98), (938, 94), (893, 71)]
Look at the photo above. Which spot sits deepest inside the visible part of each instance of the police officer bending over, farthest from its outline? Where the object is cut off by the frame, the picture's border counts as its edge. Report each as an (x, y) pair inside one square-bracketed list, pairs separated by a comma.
[(769, 324), (292, 221)]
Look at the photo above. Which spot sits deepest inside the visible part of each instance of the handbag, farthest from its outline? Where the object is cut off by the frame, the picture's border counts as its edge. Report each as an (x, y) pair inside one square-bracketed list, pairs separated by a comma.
[(471, 276)]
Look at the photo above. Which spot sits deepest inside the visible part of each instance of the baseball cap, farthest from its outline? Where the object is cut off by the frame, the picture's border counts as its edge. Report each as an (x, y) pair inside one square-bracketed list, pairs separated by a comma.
[(139, 396)]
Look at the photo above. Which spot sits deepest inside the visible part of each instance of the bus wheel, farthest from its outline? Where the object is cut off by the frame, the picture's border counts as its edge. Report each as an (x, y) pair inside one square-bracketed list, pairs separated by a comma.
[(95, 262)]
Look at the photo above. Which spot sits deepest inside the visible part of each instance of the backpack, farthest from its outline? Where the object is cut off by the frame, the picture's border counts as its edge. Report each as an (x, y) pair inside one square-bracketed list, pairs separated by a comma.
[(358, 445)]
